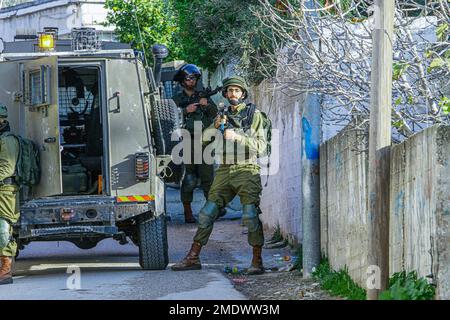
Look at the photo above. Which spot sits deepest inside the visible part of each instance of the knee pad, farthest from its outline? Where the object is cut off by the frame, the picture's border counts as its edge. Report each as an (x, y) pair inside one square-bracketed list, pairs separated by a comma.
[(189, 182), (208, 214), (250, 217), (5, 235)]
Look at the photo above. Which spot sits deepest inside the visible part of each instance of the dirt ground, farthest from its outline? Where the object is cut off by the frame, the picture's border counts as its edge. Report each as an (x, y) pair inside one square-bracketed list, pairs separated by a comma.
[(277, 283), (228, 249), (279, 286)]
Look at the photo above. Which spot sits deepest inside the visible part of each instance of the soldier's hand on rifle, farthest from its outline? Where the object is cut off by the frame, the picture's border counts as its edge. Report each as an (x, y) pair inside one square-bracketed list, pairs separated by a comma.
[(191, 108), (203, 102), (217, 122), (230, 135)]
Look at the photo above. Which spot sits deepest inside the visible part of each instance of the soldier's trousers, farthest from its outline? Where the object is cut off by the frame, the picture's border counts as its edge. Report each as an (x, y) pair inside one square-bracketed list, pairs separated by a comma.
[(9, 210), (231, 180), (192, 172)]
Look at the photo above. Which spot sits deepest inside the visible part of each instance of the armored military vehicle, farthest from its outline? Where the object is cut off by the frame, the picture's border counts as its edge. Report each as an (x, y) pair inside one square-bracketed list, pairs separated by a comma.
[(94, 110)]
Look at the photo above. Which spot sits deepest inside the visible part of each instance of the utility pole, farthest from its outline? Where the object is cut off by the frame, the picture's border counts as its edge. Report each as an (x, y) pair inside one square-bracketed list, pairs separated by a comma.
[(311, 118), (379, 148), (311, 183)]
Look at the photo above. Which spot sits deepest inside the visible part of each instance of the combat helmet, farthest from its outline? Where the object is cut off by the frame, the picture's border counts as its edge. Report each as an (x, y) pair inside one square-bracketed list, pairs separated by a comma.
[(235, 81), (187, 70)]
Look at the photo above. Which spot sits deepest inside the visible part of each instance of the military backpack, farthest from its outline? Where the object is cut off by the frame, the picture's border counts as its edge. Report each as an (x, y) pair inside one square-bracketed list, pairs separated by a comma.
[(28, 168)]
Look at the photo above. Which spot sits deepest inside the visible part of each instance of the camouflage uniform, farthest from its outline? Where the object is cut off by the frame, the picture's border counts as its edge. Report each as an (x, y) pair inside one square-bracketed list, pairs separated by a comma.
[(205, 115), (238, 174), (9, 211)]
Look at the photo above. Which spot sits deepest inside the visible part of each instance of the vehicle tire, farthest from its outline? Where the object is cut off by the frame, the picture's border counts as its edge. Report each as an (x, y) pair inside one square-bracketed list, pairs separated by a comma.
[(153, 247), (166, 118)]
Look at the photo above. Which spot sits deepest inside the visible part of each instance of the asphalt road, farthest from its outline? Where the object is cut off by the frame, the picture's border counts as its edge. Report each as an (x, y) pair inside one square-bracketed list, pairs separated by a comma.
[(60, 270)]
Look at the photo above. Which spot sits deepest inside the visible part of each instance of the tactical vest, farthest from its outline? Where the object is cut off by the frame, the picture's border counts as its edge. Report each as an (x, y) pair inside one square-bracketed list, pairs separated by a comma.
[(244, 119)]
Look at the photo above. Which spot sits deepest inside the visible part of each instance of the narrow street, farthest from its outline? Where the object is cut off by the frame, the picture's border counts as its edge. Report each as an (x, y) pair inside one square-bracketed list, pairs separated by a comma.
[(111, 270), (329, 118)]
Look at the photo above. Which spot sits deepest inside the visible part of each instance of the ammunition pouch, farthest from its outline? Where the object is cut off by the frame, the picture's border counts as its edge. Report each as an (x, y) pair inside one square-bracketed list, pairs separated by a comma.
[(5, 235), (250, 217), (208, 214)]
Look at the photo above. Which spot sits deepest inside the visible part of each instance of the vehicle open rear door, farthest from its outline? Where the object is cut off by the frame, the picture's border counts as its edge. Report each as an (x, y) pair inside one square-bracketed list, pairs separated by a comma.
[(40, 120), (128, 143), (10, 92)]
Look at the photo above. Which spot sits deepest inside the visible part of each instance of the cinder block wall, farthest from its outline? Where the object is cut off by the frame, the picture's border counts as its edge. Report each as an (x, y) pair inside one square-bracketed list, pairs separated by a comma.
[(343, 208), (281, 198), (420, 207)]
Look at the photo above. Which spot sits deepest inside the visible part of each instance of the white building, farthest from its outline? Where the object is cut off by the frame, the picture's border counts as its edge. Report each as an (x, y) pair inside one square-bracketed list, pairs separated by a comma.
[(26, 18)]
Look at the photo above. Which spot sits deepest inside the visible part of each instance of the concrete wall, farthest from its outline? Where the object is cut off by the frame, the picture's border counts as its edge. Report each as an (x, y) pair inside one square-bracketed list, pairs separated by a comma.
[(281, 198), (419, 206), (343, 207)]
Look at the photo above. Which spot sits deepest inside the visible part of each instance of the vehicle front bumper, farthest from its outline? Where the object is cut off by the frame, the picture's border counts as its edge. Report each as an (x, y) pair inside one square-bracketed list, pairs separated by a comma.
[(88, 215)]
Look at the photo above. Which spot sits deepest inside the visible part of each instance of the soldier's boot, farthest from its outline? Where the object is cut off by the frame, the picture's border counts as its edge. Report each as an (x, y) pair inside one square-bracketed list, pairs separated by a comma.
[(191, 261), (257, 263), (188, 217), (6, 270)]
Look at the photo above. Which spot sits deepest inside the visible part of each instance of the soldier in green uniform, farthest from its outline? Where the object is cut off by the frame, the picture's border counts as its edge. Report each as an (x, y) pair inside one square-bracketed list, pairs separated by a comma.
[(195, 110), (238, 174), (9, 211)]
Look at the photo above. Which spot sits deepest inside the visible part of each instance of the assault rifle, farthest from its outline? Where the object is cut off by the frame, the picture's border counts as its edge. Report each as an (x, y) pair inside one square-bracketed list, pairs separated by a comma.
[(223, 113), (206, 93)]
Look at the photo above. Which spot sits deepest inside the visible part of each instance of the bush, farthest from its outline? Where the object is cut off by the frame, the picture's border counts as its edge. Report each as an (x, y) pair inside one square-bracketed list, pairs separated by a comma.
[(406, 286), (338, 283)]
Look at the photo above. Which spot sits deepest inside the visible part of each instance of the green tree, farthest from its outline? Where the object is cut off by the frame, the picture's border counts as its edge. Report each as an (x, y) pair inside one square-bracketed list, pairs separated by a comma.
[(210, 31), (203, 32), (153, 18)]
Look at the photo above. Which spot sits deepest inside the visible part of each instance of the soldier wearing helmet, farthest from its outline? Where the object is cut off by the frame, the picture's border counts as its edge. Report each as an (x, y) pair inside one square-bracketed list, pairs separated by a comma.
[(241, 176), (9, 212), (200, 111)]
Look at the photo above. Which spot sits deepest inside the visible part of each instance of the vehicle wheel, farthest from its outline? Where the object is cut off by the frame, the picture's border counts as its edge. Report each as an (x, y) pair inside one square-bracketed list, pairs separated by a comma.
[(153, 248), (166, 118)]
